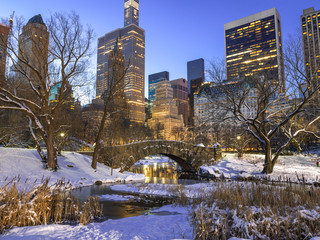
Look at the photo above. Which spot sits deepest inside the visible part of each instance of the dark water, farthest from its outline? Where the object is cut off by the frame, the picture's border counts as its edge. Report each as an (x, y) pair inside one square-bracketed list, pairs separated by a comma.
[(135, 204), (130, 205)]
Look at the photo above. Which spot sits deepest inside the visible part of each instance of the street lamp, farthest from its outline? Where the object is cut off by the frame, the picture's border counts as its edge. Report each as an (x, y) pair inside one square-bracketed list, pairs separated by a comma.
[(238, 137), (62, 134)]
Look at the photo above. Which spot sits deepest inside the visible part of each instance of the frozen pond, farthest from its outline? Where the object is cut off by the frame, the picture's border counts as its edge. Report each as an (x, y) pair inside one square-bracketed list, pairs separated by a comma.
[(157, 169)]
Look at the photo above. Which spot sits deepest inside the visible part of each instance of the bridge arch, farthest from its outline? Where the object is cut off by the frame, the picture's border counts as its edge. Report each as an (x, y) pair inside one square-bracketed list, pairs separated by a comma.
[(190, 157)]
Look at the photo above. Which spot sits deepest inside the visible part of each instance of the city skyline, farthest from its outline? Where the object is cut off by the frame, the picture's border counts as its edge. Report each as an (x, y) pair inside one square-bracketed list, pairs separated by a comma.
[(175, 33)]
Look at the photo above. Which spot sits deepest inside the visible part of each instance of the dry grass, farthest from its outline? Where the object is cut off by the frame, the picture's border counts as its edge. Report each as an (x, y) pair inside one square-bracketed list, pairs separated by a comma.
[(256, 211), (42, 204)]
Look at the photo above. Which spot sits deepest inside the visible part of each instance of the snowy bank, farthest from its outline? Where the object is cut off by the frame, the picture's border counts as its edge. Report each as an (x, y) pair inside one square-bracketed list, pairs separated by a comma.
[(294, 168), (168, 222), (73, 167)]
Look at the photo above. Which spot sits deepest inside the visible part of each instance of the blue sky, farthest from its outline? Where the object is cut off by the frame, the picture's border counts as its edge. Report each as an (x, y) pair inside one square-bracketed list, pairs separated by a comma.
[(177, 31)]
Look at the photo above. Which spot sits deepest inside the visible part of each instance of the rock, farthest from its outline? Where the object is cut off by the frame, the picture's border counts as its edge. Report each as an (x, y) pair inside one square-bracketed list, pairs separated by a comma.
[(98, 182)]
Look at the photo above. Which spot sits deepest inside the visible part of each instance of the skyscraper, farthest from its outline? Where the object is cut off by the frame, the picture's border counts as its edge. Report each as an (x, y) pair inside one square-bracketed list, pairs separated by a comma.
[(154, 79), (310, 25), (195, 70), (33, 49), (254, 47), (4, 32), (131, 12), (166, 120), (180, 94), (132, 39)]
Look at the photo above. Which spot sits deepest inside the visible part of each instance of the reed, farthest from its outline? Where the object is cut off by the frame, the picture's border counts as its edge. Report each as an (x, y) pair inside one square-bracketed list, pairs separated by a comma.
[(29, 204), (255, 210)]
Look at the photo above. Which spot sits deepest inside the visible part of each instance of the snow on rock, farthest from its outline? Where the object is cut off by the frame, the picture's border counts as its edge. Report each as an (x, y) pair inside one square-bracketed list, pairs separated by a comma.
[(295, 168), (154, 226), (150, 189), (73, 167), (115, 197)]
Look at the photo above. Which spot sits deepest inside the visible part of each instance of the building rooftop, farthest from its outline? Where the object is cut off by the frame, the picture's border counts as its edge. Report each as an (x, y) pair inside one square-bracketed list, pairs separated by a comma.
[(308, 10), (36, 19), (252, 18)]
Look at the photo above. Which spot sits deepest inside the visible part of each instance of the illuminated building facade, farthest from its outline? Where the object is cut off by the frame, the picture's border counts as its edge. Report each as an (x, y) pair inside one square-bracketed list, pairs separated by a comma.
[(310, 22), (165, 121), (195, 71), (154, 79), (254, 47), (4, 32), (180, 94), (132, 39)]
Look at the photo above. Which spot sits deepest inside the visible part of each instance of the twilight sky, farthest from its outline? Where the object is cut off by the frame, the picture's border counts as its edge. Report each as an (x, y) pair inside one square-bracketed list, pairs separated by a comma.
[(177, 31)]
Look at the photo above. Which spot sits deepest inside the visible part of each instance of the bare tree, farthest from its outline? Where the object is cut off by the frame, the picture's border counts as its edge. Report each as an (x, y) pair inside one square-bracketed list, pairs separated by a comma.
[(261, 105), (113, 95), (42, 61)]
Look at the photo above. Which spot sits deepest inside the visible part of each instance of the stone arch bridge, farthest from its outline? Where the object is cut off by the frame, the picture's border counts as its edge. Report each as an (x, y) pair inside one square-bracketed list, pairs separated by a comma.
[(190, 157)]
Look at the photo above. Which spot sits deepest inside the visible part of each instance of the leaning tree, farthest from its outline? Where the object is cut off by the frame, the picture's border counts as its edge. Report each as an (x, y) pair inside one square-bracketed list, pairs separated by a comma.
[(46, 58)]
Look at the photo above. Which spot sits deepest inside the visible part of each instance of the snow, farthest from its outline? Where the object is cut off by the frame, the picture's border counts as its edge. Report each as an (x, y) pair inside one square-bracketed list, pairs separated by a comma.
[(295, 168), (168, 222), (152, 226), (154, 159), (73, 167), (115, 197), (150, 189)]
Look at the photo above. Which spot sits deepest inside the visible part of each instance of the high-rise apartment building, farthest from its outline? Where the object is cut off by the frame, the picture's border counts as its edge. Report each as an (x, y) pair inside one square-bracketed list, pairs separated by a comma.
[(33, 49), (180, 94), (166, 121), (132, 39), (310, 22), (4, 32), (254, 47), (195, 70), (154, 79)]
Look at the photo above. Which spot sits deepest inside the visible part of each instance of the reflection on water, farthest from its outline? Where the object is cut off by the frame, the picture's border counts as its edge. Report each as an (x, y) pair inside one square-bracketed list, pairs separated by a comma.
[(135, 206), (157, 169), (161, 172)]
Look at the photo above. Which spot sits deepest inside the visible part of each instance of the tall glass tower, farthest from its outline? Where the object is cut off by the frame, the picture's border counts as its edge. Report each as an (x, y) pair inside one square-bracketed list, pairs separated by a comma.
[(132, 39), (254, 47), (131, 12), (310, 22), (195, 70), (154, 79)]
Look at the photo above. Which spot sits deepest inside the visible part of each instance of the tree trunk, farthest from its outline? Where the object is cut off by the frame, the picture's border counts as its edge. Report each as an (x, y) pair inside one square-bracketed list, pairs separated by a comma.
[(99, 136), (95, 155), (52, 162), (268, 164)]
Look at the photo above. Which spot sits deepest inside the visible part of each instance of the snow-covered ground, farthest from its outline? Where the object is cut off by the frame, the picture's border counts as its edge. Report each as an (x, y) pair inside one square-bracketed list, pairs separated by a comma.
[(73, 167), (296, 168), (168, 222)]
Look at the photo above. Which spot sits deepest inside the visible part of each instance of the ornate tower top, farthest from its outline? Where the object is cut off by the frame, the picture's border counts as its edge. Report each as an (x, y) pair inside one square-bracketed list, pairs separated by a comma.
[(131, 12), (36, 19)]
